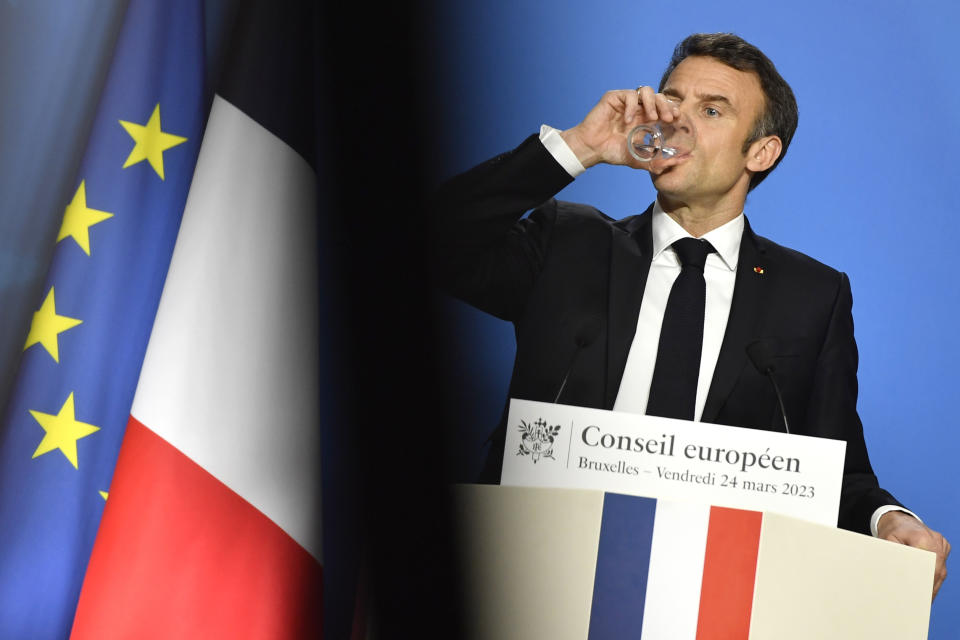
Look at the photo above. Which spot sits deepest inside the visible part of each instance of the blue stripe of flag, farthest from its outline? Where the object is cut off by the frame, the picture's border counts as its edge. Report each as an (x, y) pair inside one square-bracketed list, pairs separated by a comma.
[(623, 562)]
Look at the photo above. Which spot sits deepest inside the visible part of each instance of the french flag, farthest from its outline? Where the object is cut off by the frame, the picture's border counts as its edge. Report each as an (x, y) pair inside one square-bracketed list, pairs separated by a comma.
[(212, 525), (700, 570)]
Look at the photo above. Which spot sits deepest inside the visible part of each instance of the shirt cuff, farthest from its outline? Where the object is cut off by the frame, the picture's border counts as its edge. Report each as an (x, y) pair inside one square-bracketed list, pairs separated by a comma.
[(560, 151), (875, 518)]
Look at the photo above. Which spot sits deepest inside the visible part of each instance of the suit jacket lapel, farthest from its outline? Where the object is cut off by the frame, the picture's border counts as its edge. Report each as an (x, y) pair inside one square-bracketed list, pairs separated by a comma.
[(748, 301), (631, 252)]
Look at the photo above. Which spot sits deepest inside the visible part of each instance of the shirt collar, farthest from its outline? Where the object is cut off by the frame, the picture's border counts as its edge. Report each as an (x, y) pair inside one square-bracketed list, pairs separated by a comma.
[(725, 238)]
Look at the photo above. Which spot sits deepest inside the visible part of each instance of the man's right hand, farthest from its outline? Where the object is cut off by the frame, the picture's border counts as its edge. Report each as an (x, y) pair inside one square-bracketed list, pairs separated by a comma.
[(602, 136)]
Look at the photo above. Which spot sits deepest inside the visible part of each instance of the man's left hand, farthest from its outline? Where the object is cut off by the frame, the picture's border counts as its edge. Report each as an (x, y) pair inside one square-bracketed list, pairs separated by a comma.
[(901, 527)]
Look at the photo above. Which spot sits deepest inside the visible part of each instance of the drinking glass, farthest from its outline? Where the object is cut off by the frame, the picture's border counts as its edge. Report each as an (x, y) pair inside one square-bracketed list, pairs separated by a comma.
[(664, 139)]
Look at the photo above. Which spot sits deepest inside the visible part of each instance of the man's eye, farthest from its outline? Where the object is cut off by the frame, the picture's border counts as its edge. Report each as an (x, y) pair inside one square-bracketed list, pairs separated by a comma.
[(711, 112)]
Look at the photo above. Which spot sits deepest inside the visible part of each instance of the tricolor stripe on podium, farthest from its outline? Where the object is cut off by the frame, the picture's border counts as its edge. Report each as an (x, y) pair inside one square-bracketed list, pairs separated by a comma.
[(676, 570)]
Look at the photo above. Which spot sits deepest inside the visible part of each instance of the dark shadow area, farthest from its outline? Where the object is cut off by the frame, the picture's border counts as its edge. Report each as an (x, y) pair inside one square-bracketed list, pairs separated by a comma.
[(387, 468)]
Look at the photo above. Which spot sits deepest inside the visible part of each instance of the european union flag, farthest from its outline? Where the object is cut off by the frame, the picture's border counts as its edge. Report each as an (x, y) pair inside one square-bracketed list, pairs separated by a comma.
[(70, 404)]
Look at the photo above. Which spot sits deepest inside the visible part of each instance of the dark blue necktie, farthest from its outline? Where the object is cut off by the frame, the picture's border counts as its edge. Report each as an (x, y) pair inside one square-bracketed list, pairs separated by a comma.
[(673, 391)]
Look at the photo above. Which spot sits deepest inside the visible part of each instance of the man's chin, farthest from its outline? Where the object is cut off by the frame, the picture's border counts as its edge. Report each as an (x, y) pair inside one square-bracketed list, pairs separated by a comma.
[(670, 181)]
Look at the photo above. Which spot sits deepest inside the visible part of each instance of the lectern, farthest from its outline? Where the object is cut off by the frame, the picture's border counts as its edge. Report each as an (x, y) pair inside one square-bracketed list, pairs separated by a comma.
[(588, 565), (649, 555)]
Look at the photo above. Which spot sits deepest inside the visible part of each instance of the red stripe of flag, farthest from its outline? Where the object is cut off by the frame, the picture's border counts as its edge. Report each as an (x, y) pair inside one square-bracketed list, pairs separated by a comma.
[(180, 555), (729, 573)]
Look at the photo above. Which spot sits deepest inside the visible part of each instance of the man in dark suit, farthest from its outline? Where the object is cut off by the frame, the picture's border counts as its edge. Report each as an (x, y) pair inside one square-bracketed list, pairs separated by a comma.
[(588, 294)]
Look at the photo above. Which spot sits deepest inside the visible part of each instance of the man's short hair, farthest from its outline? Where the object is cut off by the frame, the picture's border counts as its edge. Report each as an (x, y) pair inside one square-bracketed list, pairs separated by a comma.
[(780, 113)]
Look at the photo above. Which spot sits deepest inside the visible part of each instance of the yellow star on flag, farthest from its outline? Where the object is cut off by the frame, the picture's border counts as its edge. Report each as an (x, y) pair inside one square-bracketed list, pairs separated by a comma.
[(78, 219), (47, 325), (151, 142), (63, 431)]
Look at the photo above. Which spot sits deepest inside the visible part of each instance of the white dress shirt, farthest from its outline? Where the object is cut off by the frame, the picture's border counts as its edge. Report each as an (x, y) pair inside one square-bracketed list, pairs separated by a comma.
[(720, 275), (719, 272)]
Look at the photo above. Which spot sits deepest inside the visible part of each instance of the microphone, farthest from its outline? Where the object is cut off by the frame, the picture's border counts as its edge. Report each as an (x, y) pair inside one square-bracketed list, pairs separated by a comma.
[(582, 339), (586, 336), (761, 354)]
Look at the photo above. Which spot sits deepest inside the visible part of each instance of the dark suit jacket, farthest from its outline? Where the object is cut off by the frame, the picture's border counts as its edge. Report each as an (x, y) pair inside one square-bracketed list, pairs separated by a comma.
[(568, 275)]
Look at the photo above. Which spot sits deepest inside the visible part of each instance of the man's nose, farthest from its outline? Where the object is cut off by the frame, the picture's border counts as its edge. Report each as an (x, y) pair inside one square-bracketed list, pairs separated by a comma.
[(683, 122)]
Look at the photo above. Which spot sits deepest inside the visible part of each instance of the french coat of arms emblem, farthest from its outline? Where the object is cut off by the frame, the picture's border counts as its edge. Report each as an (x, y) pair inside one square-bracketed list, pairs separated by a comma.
[(537, 439)]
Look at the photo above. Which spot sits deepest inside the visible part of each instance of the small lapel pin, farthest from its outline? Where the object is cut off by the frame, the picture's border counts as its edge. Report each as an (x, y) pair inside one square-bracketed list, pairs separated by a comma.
[(758, 270)]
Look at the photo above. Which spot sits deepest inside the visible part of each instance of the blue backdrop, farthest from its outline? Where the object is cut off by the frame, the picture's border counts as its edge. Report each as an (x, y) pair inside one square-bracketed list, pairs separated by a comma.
[(868, 186), (865, 187)]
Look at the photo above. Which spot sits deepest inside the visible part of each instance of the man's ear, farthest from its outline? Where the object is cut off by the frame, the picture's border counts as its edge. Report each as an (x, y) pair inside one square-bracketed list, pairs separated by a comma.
[(763, 153)]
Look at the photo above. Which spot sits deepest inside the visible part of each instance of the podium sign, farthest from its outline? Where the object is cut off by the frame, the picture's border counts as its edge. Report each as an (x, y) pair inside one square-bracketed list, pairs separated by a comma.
[(562, 446)]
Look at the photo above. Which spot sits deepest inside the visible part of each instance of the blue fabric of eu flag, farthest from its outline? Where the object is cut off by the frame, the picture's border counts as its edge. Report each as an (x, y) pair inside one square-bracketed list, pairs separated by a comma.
[(70, 403)]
